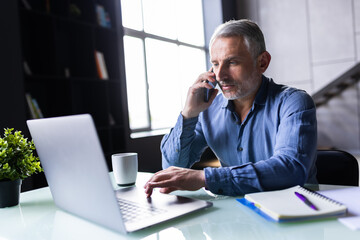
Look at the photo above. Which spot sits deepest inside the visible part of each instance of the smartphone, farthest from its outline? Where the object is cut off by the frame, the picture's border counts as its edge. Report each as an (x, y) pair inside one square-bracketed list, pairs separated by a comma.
[(208, 92)]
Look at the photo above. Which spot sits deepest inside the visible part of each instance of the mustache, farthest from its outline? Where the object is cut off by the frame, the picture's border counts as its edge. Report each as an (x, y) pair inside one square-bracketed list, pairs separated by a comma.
[(227, 82)]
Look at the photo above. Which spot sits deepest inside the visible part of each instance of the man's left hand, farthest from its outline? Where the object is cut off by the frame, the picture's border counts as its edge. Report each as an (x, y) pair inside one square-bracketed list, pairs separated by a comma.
[(175, 178)]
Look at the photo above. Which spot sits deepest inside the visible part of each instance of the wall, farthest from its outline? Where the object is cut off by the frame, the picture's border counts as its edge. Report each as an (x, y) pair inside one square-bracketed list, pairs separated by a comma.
[(311, 43)]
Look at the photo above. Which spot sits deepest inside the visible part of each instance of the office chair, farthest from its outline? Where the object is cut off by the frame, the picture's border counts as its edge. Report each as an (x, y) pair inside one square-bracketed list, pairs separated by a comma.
[(337, 167), (333, 166), (208, 159)]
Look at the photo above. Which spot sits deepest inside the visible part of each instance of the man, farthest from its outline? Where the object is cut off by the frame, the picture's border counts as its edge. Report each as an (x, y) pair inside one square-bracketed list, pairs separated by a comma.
[(263, 134)]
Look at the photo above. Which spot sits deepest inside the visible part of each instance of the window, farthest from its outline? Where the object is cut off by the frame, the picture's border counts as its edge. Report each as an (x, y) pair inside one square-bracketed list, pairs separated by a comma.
[(164, 54)]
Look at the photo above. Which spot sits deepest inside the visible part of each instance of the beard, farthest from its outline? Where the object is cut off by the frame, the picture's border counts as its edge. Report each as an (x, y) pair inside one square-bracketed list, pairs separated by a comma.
[(243, 88)]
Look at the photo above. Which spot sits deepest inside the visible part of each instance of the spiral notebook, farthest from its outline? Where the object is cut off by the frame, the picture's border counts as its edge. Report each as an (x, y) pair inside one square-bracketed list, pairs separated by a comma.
[(284, 205)]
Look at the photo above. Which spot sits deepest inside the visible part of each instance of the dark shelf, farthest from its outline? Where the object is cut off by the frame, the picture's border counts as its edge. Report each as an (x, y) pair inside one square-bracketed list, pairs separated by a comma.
[(38, 43), (74, 50), (58, 43), (53, 96)]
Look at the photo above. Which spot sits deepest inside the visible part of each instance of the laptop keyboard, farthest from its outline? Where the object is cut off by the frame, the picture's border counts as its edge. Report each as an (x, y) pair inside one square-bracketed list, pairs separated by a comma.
[(132, 211)]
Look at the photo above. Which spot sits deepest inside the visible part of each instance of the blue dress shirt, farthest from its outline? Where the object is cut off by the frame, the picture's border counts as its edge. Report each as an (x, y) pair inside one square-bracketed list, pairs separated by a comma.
[(273, 148)]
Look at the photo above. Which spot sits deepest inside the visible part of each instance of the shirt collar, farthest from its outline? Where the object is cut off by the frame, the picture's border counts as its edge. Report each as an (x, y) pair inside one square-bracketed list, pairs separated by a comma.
[(260, 97)]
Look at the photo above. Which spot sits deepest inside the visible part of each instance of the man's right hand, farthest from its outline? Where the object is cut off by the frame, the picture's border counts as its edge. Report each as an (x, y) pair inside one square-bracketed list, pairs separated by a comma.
[(195, 103), (175, 178)]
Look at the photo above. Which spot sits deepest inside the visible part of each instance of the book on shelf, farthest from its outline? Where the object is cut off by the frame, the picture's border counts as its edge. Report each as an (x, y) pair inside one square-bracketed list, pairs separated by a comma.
[(26, 4), (74, 10), (101, 66), (67, 72), (35, 111), (47, 6), (292, 204), (103, 16), (112, 121), (27, 69)]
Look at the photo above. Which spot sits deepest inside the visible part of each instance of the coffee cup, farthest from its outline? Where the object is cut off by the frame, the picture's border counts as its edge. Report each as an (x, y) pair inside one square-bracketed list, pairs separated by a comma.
[(125, 168)]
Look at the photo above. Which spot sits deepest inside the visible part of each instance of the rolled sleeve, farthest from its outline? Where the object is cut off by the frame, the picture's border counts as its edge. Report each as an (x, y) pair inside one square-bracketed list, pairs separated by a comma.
[(176, 144), (218, 180), (232, 181)]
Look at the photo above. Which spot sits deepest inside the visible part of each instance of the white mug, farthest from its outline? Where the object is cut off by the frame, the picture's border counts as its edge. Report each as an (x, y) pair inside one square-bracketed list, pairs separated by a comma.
[(125, 168)]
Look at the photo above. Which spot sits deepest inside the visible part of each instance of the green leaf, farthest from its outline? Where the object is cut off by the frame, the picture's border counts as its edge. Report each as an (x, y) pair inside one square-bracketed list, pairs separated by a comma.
[(16, 156)]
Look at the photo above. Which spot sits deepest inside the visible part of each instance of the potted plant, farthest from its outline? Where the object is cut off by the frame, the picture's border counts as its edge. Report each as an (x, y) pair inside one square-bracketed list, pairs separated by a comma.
[(17, 162)]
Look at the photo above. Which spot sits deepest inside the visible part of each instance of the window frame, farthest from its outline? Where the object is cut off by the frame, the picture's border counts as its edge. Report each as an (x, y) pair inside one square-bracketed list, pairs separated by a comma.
[(211, 19)]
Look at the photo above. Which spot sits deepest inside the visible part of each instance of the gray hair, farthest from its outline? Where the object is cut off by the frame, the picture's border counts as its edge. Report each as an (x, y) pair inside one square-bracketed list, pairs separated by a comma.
[(249, 30)]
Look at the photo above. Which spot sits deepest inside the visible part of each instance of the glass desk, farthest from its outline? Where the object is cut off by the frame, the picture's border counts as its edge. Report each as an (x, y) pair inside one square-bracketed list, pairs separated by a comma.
[(36, 217)]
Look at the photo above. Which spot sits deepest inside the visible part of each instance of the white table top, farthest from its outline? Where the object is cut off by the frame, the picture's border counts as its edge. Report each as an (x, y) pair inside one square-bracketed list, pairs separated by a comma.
[(36, 217)]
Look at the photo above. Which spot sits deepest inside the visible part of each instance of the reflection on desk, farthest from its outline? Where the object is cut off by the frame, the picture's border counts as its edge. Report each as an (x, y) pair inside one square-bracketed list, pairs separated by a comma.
[(36, 217)]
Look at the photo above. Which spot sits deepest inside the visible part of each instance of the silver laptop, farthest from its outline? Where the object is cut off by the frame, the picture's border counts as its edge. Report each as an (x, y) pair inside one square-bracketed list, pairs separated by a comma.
[(79, 180)]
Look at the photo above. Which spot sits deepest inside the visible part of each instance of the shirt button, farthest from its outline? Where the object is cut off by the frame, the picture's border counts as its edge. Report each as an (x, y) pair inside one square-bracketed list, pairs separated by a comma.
[(240, 149)]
